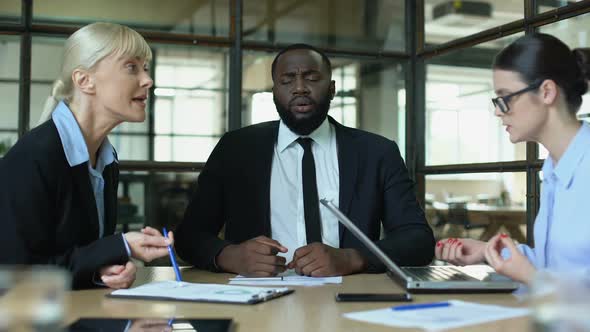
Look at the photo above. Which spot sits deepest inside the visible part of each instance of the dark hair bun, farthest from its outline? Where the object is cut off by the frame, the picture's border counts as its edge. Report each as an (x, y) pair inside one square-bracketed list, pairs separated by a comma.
[(582, 56)]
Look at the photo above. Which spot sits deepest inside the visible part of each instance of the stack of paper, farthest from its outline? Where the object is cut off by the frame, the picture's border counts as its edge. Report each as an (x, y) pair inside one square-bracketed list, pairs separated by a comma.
[(286, 279), (456, 314)]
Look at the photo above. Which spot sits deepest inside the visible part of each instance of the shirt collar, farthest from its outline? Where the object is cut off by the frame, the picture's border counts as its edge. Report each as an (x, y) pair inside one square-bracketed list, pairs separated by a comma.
[(73, 141), (321, 136), (565, 169)]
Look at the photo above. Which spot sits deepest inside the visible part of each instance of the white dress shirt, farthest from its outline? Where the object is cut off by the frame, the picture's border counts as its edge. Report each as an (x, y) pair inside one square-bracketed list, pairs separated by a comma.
[(287, 217)]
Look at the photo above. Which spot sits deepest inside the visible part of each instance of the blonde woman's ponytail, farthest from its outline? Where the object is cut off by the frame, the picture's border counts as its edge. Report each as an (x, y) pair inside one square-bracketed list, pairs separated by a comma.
[(57, 95)]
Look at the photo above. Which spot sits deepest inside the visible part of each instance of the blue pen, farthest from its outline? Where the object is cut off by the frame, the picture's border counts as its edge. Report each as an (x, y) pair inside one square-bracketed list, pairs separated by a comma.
[(172, 258), (421, 306)]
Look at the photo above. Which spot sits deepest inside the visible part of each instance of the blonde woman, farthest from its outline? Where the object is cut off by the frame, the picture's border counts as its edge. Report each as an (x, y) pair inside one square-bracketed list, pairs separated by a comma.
[(58, 194)]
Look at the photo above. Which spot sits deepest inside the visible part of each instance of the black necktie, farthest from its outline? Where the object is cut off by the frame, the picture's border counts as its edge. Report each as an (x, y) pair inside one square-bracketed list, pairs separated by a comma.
[(311, 204)]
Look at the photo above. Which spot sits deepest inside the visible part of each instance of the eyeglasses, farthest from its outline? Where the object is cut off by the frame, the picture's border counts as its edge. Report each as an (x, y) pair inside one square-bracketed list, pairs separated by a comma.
[(502, 102)]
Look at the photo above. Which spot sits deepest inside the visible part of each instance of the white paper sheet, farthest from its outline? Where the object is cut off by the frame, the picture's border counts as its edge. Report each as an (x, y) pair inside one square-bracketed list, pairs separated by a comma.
[(458, 314), (186, 291), (288, 278)]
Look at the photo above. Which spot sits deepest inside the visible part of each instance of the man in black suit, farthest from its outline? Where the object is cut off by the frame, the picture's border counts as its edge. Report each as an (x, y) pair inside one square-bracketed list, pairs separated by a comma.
[(263, 183)]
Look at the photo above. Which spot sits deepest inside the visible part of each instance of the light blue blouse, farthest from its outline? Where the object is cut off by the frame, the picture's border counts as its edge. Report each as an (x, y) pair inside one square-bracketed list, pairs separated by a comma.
[(77, 153), (562, 226)]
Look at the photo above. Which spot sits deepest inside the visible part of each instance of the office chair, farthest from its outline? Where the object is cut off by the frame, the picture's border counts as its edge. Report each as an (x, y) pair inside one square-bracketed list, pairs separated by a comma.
[(458, 220)]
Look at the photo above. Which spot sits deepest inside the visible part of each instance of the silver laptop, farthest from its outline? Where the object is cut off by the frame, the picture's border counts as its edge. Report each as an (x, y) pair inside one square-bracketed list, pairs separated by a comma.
[(431, 279)]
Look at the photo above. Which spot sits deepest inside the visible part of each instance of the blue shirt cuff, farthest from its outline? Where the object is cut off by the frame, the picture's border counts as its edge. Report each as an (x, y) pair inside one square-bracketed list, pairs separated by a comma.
[(126, 245)]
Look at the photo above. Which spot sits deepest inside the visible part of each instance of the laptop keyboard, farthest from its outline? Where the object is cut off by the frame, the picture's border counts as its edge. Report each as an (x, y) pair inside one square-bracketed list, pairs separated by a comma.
[(443, 273)]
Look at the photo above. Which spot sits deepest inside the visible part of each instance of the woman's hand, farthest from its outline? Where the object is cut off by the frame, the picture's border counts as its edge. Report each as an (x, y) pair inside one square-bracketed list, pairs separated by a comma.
[(149, 244), (118, 276), (517, 267), (460, 251)]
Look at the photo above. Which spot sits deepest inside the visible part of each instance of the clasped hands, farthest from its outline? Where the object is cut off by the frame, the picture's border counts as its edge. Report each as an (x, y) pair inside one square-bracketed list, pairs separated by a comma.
[(258, 258)]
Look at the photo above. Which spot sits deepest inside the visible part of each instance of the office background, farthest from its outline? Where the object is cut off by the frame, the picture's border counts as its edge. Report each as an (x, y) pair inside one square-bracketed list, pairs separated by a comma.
[(415, 71)]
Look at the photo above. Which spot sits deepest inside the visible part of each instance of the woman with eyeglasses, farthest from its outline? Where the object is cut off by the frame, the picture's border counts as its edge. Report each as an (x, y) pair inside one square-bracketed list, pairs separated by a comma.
[(539, 82)]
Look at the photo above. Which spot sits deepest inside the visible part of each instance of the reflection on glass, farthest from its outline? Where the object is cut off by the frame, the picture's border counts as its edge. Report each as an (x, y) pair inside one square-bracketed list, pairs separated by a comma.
[(9, 111), (150, 325), (177, 16), (446, 20), (544, 6), (354, 24), (460, 123), (575, 32), (10, 11), (370, 95), (7, 140), (190, 102), (9, 90), (153, 198), (46, 60), (477, 205), (129, 146)]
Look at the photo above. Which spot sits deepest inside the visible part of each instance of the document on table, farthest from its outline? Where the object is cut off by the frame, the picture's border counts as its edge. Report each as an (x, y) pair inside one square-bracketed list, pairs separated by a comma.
[(186, 291), (288, 278), (457, 314)]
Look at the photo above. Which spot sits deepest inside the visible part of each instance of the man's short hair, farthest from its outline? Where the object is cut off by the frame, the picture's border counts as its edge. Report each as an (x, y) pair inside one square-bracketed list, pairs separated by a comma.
[(300, 46)]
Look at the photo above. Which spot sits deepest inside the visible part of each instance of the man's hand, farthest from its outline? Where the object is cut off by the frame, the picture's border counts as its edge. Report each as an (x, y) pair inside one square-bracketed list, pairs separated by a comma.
[(253, 258), (149, 244), (320, 260), (118, 276), (517, 267), (460, 251)]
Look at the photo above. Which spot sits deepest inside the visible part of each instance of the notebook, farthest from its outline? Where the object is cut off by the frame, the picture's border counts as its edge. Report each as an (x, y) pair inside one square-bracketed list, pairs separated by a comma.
[(186, 291)]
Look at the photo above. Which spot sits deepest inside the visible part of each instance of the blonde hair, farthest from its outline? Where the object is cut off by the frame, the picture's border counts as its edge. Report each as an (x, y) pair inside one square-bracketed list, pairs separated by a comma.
[(85, 49)]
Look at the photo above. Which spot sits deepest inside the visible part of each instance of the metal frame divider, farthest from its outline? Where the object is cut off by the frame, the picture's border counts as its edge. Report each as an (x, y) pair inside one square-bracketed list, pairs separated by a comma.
[(415, 55)]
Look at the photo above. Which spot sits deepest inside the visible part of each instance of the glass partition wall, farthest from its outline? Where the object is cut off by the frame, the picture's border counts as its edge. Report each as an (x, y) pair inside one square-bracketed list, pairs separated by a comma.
[(415, 71)]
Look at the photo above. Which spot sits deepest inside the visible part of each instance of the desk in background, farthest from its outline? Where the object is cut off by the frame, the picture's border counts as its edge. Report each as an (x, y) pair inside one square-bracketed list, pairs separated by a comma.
[(494, 217), (308, 309)]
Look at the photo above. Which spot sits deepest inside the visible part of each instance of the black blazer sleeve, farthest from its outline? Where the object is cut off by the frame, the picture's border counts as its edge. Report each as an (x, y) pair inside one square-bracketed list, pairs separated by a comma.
[(408, 239), (43, 219), (197, 238)]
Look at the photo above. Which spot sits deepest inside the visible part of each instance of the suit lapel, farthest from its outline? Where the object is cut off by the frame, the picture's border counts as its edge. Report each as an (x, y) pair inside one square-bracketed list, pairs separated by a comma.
[(263, 171), (348, 166), (111, 182), (85, 196)]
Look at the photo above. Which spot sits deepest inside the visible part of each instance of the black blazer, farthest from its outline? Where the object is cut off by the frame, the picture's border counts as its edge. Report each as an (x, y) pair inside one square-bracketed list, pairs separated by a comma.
[(234, 190), (48, 212)]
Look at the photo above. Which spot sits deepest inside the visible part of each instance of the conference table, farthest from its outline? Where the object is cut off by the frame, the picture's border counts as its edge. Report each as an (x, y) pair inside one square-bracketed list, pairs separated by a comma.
[(307, 309)]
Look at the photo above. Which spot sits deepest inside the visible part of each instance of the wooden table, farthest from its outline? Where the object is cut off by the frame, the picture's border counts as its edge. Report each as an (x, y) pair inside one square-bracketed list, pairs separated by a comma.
[(494, 217), (509, 217), (308, 309)]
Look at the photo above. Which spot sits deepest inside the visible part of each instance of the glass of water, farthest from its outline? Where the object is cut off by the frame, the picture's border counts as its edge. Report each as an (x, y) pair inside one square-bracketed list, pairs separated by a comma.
[(32, 298), (561, 301)]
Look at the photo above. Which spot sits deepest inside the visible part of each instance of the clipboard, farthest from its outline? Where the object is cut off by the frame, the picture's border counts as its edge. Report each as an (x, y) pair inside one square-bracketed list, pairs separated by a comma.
[(196, 292)]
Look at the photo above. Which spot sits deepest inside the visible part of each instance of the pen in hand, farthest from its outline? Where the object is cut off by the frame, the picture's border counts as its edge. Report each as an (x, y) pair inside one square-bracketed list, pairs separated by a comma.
[(172, 258)]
